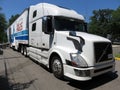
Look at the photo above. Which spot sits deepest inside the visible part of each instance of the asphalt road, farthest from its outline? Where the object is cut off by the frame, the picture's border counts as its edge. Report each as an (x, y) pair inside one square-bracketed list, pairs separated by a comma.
[(20, 73)]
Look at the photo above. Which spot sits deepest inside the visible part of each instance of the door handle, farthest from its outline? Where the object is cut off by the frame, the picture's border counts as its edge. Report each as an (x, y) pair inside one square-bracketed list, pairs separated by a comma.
[(43, 44)]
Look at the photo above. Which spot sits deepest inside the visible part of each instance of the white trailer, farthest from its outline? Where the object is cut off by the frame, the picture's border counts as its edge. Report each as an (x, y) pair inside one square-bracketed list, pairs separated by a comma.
[(18, 31), (57, 37)]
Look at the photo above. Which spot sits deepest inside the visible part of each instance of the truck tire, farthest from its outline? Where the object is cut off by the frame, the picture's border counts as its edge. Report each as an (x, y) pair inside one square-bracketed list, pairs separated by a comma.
[(57, 67), (22, 49), (25, 51)]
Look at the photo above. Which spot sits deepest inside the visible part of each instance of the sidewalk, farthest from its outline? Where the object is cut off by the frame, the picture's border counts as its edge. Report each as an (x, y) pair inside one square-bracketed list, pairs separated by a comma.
[(116, 51)]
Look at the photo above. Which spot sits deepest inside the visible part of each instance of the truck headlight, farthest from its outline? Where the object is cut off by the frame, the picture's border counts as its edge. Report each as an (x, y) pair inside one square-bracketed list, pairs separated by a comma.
[(78, 61)]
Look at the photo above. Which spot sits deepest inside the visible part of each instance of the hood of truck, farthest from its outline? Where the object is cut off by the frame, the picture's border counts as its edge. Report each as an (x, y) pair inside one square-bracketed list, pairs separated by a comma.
[(72, 44), (86, 36)]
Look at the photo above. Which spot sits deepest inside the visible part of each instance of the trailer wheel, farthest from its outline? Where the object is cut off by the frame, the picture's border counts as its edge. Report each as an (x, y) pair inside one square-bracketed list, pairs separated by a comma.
[(25, 51), (57, 67), (22, 49)]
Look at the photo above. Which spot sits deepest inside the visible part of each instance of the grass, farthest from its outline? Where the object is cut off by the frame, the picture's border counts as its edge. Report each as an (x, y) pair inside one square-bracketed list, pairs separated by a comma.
[(117, 55)]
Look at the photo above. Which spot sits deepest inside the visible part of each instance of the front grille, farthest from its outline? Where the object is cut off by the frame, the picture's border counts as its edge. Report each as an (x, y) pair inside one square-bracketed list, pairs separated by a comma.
[(103, 51)]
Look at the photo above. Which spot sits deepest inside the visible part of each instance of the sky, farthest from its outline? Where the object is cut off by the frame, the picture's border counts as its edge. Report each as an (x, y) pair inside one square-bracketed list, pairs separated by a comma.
[(84, 7)]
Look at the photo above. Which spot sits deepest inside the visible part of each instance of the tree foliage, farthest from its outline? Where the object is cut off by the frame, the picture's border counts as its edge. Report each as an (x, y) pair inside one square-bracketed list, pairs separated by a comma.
[(100, 22), (3, 26), (104, 22), (115, 25)]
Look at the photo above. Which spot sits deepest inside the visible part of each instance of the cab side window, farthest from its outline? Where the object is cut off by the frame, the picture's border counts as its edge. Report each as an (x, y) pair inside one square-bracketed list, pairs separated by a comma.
[(34, 13), (33, 26)]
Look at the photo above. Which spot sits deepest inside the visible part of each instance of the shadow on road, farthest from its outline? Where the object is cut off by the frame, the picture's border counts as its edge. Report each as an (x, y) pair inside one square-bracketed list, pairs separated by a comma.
[(4, 84), (21, 86), (95, 82)]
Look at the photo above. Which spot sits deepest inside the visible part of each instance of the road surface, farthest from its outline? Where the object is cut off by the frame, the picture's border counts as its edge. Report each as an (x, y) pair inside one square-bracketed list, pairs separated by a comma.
[(20, 73)]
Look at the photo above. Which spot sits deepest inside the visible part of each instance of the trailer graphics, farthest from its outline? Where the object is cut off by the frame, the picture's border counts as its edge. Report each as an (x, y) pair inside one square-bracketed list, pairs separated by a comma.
[(57, 37)]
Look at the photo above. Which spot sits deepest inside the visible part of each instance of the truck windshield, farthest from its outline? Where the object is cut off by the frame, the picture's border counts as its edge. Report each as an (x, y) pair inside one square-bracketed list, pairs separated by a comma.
[(69, 24)]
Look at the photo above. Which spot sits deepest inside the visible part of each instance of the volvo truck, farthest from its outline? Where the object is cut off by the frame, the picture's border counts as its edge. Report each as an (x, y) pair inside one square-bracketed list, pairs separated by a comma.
[(57, 37)]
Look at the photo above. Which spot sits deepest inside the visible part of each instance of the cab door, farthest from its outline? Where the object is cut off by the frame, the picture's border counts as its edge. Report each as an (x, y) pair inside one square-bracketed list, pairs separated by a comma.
[(47, 32)]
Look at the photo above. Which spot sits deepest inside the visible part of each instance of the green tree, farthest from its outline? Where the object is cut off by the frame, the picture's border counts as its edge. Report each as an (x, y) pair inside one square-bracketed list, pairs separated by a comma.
[(13, 18), (115, 25), (100, 22), (3, 25)]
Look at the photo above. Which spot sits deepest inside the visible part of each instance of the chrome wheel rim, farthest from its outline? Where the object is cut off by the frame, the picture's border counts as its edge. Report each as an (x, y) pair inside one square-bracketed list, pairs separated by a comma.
[(57, 66)]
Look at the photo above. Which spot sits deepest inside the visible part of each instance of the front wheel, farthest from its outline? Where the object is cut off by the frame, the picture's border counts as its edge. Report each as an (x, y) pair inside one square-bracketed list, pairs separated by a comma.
[(57, 67)]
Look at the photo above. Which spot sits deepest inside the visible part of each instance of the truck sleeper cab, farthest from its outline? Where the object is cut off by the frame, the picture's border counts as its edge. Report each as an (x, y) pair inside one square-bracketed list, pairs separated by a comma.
[(58, 38), (70, 60)]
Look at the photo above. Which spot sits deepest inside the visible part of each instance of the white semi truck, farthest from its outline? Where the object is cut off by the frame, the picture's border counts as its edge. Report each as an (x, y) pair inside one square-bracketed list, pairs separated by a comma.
[(57, 37)]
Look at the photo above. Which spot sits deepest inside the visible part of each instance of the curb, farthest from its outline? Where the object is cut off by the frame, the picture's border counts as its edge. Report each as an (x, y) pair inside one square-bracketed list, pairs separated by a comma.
[(116, 58)]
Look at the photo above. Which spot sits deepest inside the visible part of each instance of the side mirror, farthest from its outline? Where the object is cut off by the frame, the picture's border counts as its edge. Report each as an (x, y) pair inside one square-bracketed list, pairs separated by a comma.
[(86, 27), (47, 25)]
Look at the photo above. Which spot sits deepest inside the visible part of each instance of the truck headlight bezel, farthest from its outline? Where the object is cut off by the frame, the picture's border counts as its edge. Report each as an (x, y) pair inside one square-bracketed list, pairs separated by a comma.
[(78, 61)]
